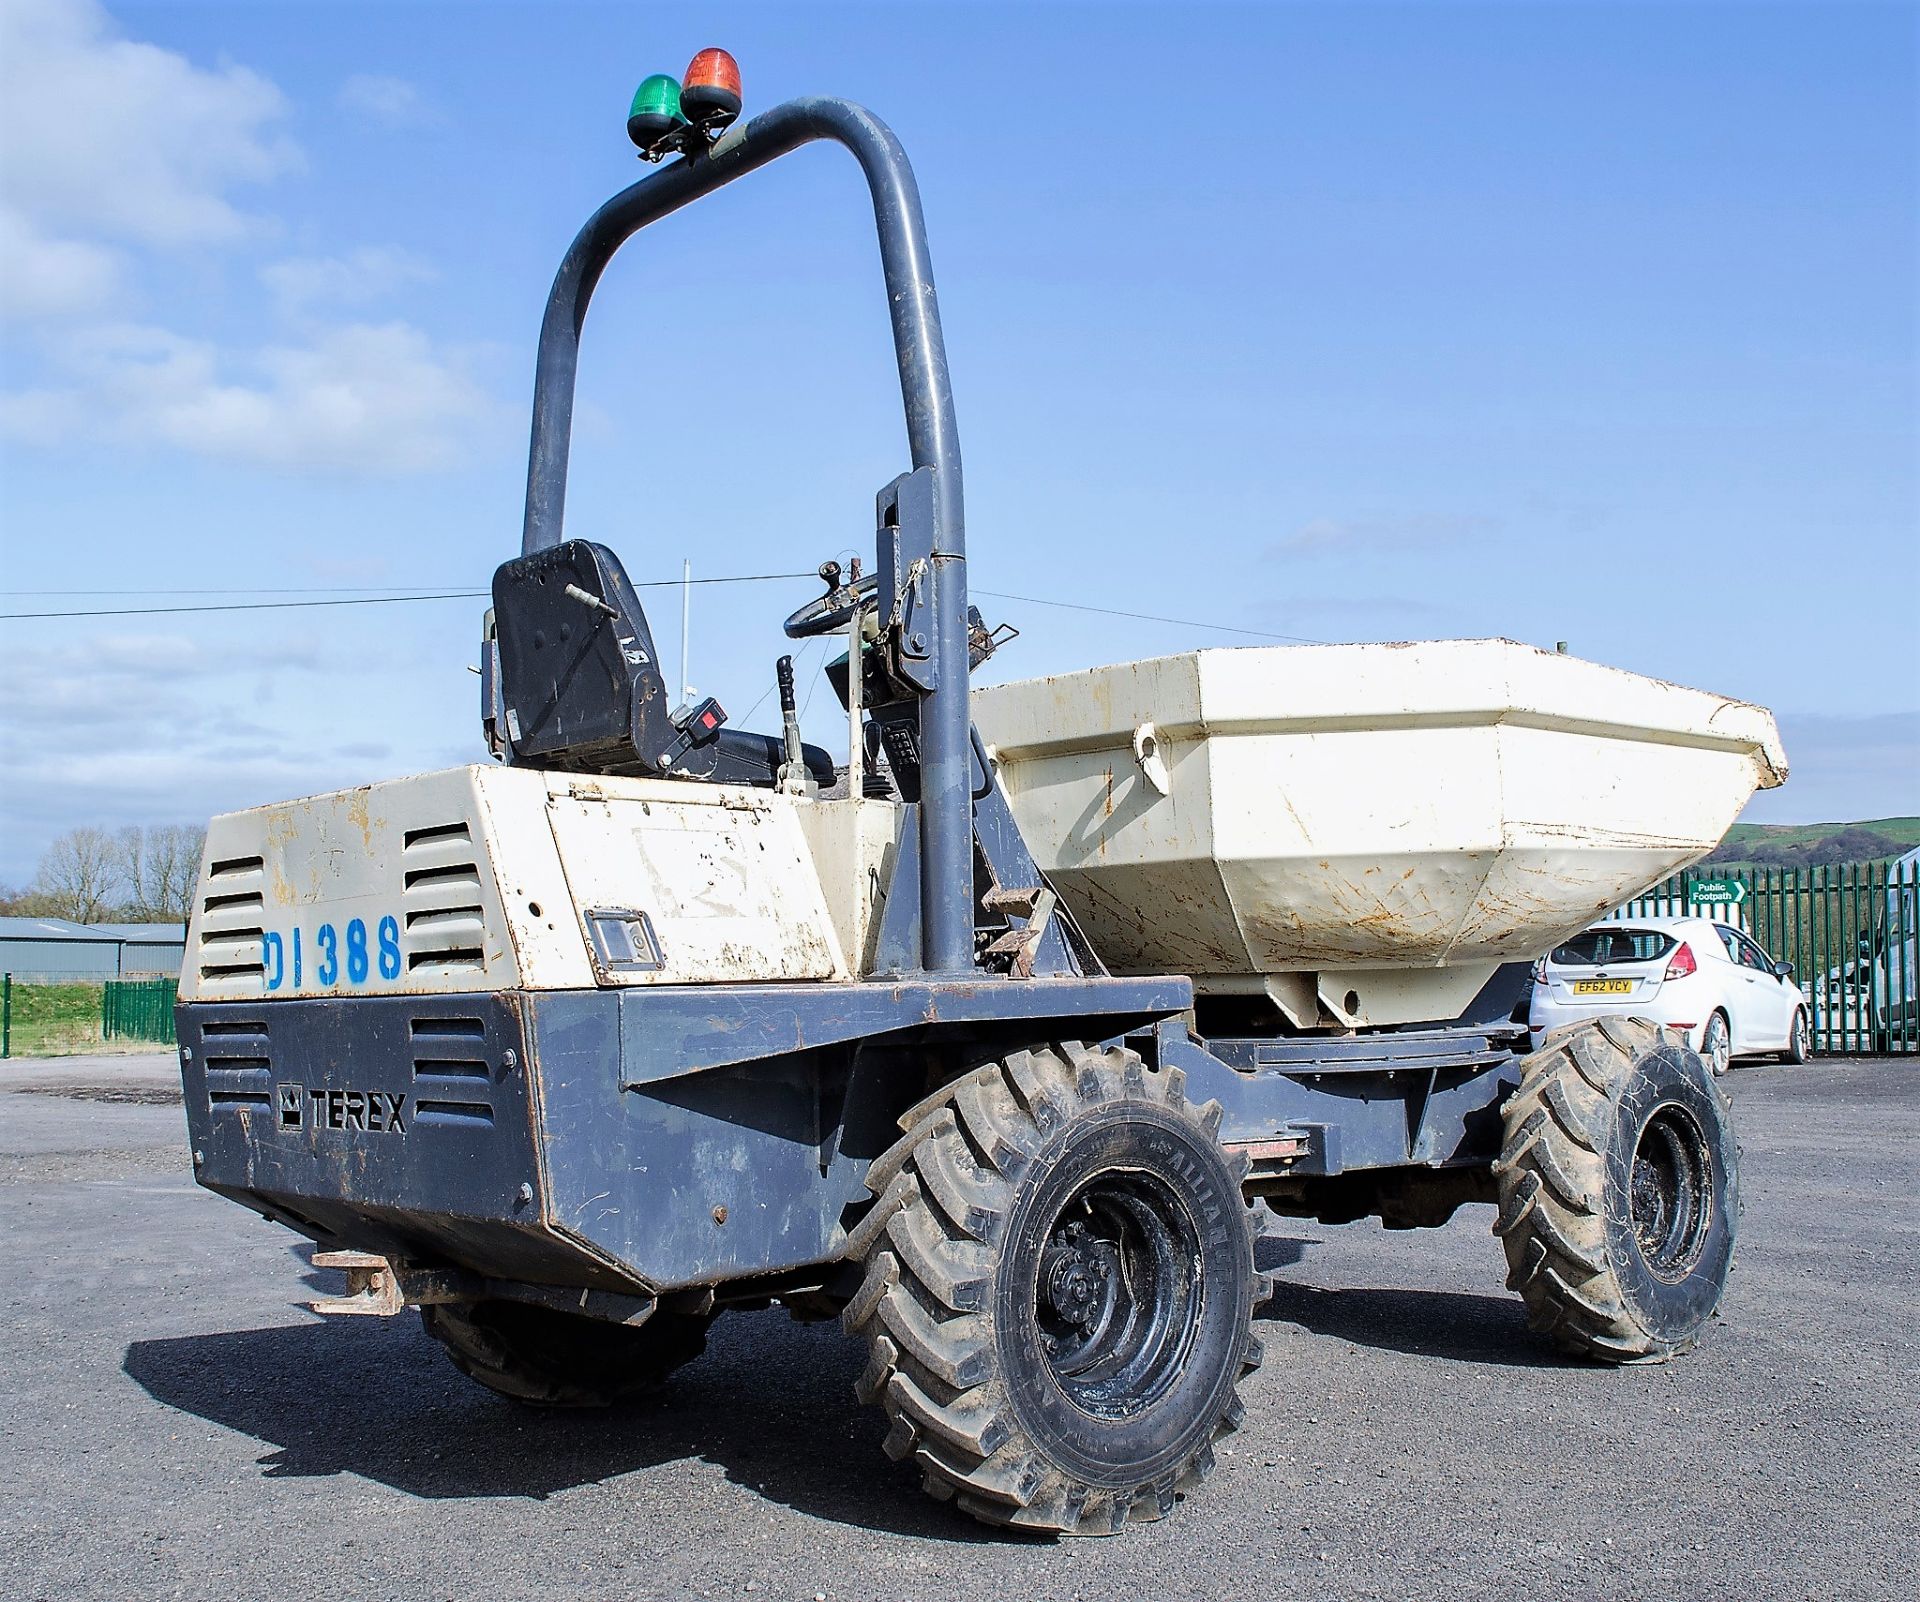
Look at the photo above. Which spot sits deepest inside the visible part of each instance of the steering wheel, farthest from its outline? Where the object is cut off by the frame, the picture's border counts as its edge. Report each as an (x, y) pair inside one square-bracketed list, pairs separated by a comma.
[(832, 612)]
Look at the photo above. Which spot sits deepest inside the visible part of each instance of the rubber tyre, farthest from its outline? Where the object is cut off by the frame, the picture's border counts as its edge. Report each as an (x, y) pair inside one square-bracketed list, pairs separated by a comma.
[(1718, 1034), (960, 1251), (552, 1359), (1800, 1042), (1614, 1262)]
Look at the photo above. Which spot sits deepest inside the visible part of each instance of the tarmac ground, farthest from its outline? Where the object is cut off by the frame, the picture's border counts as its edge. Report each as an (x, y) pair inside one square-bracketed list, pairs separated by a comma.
[(176, 1424)]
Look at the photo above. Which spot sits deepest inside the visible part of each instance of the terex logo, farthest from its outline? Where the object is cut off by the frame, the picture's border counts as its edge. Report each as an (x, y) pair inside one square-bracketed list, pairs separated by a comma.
[(376, 1110)]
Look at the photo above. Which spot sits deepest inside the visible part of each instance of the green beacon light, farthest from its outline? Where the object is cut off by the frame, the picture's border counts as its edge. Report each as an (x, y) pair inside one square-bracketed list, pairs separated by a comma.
[(656, 116)]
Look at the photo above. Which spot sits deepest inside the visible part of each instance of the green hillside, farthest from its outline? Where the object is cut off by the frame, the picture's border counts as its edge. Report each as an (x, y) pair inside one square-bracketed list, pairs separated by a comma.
[(1808, 845)]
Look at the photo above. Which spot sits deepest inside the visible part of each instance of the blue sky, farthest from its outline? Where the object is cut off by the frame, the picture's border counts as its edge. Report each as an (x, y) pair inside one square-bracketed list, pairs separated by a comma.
[(1594, 323)]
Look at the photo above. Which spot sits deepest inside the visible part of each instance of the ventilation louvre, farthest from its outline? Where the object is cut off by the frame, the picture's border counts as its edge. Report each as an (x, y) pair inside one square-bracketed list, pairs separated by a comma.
[(229, 954), (442, 910), (450, 1060), (239, 1071), (471, 1114), (237, 1099)]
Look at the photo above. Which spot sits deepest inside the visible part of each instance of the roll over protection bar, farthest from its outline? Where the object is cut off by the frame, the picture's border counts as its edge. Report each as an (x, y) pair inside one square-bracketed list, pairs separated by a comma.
[(946, 813)]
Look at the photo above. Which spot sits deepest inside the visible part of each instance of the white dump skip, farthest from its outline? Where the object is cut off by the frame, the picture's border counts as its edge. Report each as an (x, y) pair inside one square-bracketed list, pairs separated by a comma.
[(1363, 832)]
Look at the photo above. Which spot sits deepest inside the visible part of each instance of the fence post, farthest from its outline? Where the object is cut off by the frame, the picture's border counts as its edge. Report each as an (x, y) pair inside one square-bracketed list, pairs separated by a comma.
[(6, 1015), (1902, 908)]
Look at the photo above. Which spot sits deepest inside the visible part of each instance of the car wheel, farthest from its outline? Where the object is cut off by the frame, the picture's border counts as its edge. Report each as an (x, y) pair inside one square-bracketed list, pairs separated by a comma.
[(1716, 1045), (1800, 1041)]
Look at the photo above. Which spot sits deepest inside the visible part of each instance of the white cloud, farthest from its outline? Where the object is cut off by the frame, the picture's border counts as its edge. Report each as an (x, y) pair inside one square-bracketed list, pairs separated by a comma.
[(117, 149), (44, 278), (111, 138), (389, 102), (374, 398), (157, 725), (367, 274)]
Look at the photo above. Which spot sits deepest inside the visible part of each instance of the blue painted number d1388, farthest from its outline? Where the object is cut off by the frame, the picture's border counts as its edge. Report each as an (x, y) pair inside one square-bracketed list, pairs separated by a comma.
[(341, 952)]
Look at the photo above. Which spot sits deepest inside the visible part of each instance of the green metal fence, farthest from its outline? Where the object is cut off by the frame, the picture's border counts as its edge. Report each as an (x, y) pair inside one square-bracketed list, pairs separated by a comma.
[(1848, 930), (138, 1009), (46, 1016)]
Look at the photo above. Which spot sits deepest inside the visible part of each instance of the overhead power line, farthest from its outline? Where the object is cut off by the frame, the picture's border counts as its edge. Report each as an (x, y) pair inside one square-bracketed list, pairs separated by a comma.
[(391, 589), (362, 598), (246, 606), (1151, 617), (252, 589), (352, 600)]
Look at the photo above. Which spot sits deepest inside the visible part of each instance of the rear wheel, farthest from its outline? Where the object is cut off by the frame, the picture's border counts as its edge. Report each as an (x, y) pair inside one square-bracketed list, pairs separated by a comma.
[(1716, 1044), (1800, 1040), (1058, 1287), (1618, 1189), (552, 1359)]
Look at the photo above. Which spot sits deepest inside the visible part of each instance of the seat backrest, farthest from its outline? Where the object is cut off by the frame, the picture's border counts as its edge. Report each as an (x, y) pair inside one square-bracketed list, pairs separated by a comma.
[(580, 682)]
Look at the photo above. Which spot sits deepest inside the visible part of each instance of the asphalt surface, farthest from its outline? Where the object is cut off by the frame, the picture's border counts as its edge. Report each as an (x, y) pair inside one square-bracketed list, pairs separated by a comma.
[(174, 1424)]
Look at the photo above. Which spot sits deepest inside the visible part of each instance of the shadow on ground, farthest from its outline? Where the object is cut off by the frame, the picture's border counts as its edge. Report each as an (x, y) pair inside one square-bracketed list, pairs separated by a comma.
[(771, 1404), (1424, 1323)]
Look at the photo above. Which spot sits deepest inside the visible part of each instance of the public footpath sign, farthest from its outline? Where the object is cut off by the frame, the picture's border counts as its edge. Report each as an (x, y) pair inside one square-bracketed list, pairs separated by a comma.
[(1717, 892)]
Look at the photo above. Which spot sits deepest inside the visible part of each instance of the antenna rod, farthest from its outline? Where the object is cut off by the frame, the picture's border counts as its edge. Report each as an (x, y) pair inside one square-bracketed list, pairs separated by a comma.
[(686, 613)]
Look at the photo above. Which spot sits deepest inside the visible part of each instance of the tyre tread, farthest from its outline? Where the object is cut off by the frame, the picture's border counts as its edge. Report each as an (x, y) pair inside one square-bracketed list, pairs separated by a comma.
[(1551, 1175), (947, 1188)]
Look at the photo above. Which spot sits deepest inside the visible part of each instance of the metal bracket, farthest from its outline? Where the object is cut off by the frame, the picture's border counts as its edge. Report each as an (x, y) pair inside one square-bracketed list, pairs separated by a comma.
[(1275, 1155), (1152, 763), (380, 1288), (908, 536), (1034, 903)]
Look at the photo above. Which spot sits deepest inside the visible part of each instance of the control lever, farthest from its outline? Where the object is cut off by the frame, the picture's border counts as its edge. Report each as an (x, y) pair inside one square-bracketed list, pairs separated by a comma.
[(794, 777)]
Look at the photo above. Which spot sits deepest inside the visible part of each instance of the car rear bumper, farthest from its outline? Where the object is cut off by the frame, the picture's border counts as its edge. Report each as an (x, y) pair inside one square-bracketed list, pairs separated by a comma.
[(1548, 1014)]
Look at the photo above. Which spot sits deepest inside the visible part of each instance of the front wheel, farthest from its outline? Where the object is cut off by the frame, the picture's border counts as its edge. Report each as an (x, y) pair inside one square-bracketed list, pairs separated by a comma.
[(1619, 1191), (1716, 1044), (1058, 1291), (1800, 1041)]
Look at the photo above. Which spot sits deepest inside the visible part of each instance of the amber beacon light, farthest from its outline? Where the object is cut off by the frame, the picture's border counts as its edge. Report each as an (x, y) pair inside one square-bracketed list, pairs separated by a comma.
[(710, 91)]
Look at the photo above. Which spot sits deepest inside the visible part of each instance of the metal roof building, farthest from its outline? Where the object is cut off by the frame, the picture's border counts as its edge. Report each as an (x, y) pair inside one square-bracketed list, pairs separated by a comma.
[(42, 948)]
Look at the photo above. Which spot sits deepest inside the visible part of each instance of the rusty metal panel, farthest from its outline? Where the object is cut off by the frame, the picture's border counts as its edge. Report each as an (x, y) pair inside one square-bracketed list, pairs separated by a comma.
[(400, 1125), (724, 877), (441, 883)]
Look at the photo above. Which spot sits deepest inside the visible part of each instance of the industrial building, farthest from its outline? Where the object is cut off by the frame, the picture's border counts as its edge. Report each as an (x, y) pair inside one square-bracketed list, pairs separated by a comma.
[(48, 948)]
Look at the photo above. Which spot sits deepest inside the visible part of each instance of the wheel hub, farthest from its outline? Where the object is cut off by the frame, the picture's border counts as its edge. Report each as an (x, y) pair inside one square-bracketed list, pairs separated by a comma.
[(1671, 1192), (1113, 1295), (1077, 1276)]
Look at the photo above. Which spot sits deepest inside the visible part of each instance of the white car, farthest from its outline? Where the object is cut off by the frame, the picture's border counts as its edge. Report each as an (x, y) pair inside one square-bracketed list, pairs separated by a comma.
[(1708, 980)]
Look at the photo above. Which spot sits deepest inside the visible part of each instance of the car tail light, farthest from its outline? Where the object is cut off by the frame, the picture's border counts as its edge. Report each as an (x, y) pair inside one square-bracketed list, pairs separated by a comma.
[(1540, 972), (1682, 963)]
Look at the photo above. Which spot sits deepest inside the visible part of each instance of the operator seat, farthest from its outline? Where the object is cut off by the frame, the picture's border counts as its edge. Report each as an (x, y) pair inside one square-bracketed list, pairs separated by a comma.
[(580, 689)]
